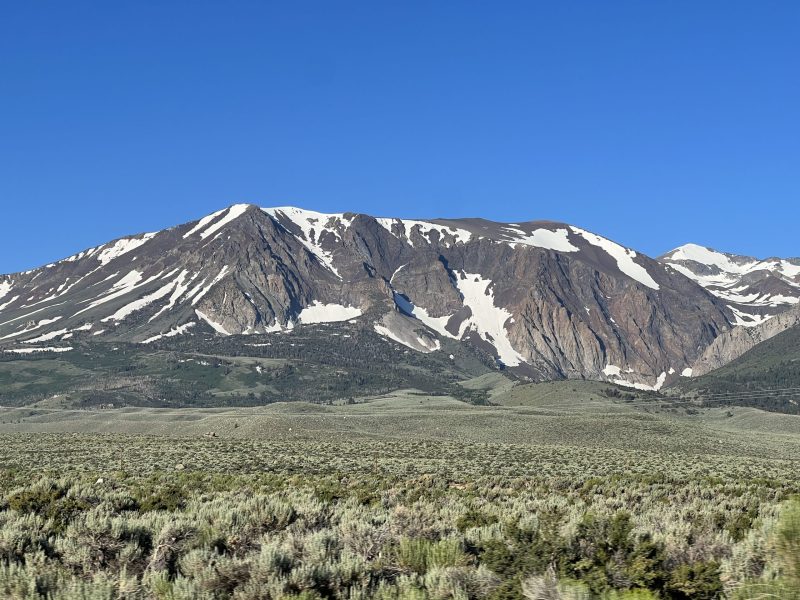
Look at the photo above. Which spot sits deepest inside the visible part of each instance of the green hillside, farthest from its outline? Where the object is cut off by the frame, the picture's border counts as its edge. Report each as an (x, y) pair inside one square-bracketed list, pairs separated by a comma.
[(767, 377), (323, 364)]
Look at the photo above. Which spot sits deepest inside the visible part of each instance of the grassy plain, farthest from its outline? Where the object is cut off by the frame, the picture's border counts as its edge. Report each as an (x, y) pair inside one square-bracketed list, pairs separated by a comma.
[(554, 491)]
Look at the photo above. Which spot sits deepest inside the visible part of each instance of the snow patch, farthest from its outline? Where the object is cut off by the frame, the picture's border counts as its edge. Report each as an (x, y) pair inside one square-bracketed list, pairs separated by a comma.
[(140, 303), (276, 327), (707, 281), (234, 212), (425, 229), (396, 271), (387, 224), (121, 247), (62, 289), (431, 344), (614, 373), (46, 336), (623, 256), (709, 257), (687, 372), (201, 224), (38, 325), (557, 240), (728, 270), (181, 285), (779, 299), (33, 350), (748, 319), (214, 325), (179, 330), (789, 269), (2, 306), (643, 386), (83, 254), (312, 225), (127, 284), (487, 319), (327, 313), (5, 287), (438, 324), (424, 344), (204, 290), (386, 332)]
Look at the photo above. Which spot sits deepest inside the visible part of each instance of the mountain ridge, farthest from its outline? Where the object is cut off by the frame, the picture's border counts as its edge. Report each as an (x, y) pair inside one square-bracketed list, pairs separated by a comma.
[(755, 290), (549, 299)]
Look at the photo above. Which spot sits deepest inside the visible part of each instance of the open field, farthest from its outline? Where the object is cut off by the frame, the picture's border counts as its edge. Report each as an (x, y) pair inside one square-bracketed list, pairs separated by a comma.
[(556, 489), (560, 413)]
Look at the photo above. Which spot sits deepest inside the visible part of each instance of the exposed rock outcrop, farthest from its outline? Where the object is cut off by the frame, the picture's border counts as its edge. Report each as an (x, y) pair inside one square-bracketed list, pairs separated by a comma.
[(733, 344)]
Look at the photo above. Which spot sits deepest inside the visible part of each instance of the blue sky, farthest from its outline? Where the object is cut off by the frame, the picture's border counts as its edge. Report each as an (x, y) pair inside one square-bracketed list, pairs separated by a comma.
[(653, 123)]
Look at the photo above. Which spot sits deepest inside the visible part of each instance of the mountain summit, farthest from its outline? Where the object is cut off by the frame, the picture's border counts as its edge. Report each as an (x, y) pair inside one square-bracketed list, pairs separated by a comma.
[(546, 299)]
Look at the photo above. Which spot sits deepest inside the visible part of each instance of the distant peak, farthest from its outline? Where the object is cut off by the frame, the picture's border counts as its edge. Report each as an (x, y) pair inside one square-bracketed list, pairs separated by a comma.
[(688, 249)]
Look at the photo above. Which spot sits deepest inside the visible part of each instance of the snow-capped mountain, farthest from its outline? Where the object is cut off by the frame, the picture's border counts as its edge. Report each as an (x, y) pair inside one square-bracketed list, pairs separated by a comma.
[(548, 299), (754, 290)]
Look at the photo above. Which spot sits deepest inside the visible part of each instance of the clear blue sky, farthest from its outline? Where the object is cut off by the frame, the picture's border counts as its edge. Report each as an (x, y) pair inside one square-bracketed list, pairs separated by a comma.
[(653, 123)]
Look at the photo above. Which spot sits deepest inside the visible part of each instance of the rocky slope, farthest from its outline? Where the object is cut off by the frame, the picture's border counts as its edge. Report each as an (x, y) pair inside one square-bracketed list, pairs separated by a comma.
[(731, 345), (547, 299)]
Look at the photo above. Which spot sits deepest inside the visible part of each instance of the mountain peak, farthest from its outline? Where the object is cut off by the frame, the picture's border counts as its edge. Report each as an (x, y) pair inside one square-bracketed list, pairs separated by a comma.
[(731, 263), (755, 290)]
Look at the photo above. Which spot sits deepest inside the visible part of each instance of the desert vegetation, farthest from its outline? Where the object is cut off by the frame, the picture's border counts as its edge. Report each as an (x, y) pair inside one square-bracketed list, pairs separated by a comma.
[(123, 516)]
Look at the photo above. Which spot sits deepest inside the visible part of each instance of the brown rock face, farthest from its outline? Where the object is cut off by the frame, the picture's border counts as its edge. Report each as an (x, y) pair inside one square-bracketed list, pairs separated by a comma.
[(733, 344), (548, 299)]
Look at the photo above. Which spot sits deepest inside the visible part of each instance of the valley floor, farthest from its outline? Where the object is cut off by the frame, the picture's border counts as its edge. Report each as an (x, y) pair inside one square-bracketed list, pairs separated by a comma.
[(555, 491)]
